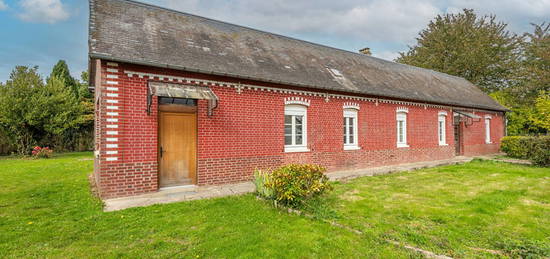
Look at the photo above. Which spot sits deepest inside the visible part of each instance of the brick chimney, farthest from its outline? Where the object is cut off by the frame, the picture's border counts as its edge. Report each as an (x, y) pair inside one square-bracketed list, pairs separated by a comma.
[(365, 51)]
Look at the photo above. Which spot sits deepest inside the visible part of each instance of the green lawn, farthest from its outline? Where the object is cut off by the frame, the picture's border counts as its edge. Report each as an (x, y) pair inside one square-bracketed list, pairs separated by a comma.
[(46, 210)]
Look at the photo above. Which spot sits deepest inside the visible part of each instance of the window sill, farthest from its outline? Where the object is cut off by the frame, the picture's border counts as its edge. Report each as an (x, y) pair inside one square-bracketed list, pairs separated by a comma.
[(296, 149), (443, 144), (400, 145), (488, 142), (352, 148)]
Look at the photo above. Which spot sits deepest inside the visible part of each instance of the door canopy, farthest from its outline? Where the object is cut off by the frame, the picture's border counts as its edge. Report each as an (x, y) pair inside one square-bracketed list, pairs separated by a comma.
[(181, 91)]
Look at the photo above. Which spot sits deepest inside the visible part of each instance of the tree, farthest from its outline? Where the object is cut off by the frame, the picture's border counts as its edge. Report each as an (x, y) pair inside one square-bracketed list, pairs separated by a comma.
[(542, 106), (33, 113), (534, 76), (61, 71), (479, 49), (20, 128)]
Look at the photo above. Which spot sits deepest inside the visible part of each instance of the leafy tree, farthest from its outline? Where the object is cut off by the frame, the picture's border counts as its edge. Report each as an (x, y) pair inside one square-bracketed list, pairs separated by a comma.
[(542, 106), (61, 71), (534, 76), (33, 113), (479, 49), (21, 129)]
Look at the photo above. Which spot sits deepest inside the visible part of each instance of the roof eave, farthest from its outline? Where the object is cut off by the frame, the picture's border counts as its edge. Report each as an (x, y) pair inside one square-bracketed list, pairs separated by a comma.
[(188, 69)]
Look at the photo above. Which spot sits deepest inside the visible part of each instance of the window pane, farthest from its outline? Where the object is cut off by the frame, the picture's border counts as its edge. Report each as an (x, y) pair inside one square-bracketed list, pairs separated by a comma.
[(441, 131), (299, 139), (299, 120), (288, 130), (288, 119), (288, 140), (345, 131), (299, 129), (400, 129)]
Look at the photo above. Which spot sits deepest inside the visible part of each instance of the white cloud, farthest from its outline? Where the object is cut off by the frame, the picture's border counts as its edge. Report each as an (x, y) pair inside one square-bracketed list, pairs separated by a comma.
[(385, 26), (3, 6), (47, 11), (374, 20), (387, 55)]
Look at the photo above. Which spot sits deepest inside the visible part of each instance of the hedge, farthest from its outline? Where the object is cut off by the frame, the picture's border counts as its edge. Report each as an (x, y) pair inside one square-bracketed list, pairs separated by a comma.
[(536, 149)]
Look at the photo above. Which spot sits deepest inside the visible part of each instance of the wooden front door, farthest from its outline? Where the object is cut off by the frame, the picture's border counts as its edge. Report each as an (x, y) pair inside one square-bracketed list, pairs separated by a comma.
[(177, 148)]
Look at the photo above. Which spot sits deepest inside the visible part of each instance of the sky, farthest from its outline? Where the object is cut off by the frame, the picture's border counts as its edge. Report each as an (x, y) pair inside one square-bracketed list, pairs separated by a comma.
[(41, 32)]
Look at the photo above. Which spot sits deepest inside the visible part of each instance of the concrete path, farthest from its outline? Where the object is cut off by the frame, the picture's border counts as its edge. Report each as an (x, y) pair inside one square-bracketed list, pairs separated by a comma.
[(192, 192), (350, 174), (176, 194)]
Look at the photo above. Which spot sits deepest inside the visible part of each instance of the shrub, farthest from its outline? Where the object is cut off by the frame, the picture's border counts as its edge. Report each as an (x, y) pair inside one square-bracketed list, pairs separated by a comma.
[(292, 185), (516, 146), (536, 149), (261, 178), (540, 153), (39, 152)]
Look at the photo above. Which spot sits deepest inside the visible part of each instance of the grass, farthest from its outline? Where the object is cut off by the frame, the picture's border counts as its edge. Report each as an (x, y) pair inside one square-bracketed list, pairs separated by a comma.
[(46, 210), (460, 210)]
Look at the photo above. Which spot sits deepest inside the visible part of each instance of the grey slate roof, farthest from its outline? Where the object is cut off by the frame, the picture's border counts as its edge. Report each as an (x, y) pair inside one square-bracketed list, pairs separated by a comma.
[(134, 32)]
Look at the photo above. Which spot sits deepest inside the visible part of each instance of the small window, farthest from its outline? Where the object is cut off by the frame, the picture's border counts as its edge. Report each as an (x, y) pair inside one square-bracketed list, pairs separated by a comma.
[(295, 128), (180, 101), (350, 129), (488, 130), (402, 129), (441, 130)]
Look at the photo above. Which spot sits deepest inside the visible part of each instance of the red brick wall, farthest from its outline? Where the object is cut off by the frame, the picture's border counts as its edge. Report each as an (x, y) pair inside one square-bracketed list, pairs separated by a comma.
[(474, 135), (246, 132)]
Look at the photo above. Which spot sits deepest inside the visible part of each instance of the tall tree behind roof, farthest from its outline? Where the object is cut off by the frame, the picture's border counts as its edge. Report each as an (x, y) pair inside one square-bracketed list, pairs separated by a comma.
[(479, 49), (61, 71)]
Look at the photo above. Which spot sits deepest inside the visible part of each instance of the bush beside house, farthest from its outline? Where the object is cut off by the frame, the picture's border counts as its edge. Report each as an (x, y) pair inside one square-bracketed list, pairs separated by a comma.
[(292, 185), (536, 149)]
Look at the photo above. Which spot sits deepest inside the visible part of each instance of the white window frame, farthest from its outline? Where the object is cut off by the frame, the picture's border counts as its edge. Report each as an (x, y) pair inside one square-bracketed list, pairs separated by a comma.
[(442, 128), (401, 116), (351, 113), (297, 110), (488, 130)]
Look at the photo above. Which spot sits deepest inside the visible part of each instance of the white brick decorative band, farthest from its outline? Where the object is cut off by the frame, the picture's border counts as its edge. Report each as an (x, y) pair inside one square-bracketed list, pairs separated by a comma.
[(112, 89), (402, 109), (351, 106), (112, 70), (112, 114), (112, 139), (112, 82), (111, 158), (297, 100), (112, 64), (240, 87)]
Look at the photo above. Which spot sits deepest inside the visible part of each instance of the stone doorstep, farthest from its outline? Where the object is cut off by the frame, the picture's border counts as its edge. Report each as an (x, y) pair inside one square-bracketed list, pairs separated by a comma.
[(193, 192)]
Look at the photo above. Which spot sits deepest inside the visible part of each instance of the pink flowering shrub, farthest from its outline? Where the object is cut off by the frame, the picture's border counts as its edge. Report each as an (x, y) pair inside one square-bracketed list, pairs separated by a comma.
[(41, 152)]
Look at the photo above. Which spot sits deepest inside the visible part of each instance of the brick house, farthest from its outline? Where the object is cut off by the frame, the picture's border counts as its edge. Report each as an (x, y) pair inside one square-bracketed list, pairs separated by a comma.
[(187, 100)]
